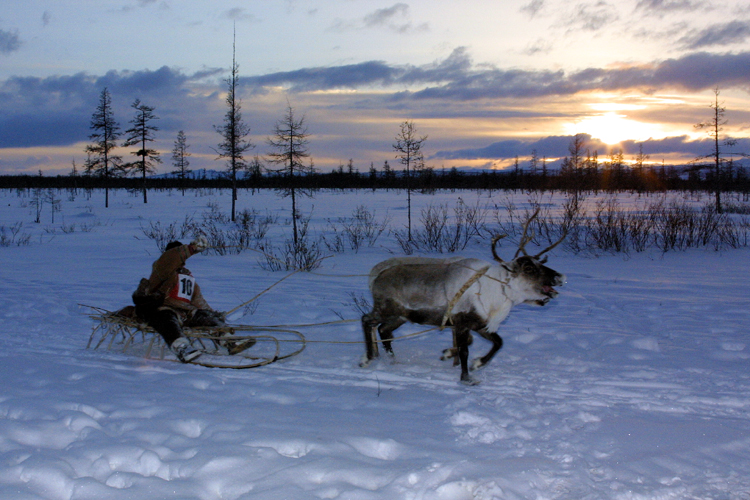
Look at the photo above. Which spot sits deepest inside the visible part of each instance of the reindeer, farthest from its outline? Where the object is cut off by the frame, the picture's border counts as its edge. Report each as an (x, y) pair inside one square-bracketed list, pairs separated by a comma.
[(467, 294)]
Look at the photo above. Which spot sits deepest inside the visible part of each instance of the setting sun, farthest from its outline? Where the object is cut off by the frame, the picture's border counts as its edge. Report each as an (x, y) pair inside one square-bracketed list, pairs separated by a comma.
[(613, 128)]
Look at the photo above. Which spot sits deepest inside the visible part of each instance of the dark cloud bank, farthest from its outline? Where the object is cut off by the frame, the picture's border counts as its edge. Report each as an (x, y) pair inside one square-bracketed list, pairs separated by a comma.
[(457, 78), (557, 146), (733, 32), (56, 111)]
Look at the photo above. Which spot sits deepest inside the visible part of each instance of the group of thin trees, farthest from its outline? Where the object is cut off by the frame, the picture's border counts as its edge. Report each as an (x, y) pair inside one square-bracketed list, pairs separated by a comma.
[(289, 146), (101, 160)]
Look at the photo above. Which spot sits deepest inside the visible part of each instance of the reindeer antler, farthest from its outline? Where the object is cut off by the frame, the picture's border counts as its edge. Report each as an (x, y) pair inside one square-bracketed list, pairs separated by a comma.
[(495, 239), (524, 239), (565, 233)]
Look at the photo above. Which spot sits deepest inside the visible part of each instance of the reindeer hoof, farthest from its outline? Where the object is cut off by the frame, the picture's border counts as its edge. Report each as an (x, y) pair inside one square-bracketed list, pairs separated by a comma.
[(365, 362), (448, 354), (469, 380), (476, 364)]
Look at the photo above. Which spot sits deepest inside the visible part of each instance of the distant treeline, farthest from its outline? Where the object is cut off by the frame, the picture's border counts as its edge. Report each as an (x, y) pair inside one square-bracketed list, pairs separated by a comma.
[(588, 178)]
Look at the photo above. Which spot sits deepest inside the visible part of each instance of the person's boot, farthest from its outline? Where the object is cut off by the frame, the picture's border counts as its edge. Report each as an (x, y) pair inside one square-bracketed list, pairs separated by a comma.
[(184, 351)]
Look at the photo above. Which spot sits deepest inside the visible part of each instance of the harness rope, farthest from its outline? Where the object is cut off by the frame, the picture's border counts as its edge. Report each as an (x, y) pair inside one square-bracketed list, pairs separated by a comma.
[(460, 294), (112, 325), (261, 293)]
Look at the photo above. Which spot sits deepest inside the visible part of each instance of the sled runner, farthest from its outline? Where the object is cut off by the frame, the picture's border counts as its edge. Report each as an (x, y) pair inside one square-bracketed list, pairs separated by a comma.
[(230, 346)]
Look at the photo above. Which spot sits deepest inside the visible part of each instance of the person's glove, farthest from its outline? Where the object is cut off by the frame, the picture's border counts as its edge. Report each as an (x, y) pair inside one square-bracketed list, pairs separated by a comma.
[(200, 243)]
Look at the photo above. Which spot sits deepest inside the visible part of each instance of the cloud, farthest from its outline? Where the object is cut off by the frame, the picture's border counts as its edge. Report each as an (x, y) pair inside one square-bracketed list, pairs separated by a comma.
[(50, 129), (51, 111), (143, 4), (238, 14), (532, 8), (457, 78), (57, 110), (557, 147), (540, 46), (164, 81), (382, 17), (548, 147), (394, 18), (682, 145), (702, 71), (668, 6), (718, 34), (456, 67), (9, 41), (338, 77), (592, 17)]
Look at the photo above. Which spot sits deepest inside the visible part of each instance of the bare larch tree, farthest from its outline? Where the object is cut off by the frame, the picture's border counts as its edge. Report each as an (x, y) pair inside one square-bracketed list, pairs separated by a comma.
[(408, 147), (141, 134), (233, 133), (718, 155), (180, 159), (289, 148), (100, 159)]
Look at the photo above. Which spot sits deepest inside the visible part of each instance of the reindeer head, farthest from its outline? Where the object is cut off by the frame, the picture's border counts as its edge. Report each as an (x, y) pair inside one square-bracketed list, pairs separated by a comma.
[(531, 276)]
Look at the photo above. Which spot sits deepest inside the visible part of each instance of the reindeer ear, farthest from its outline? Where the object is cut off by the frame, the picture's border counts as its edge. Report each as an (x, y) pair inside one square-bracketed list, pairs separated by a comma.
[(508, 266)]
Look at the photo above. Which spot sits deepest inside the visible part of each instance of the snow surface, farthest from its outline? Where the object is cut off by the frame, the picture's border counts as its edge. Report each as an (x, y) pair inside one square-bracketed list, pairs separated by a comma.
[(632, 384)]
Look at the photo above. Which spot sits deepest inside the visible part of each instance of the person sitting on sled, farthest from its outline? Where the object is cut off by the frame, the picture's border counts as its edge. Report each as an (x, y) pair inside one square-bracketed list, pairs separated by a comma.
[(170, 299)]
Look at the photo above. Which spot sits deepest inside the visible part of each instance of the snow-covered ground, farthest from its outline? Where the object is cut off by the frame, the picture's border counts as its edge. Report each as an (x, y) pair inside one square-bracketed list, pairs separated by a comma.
[(633, 384)]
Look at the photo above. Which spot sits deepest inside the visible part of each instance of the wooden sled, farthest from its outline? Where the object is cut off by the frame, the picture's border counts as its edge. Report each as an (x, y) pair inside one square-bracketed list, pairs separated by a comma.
[(230, 346)]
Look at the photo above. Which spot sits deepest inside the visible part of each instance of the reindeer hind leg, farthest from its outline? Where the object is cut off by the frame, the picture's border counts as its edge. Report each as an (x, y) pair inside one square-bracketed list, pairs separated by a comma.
[(452, 353), (386, 331)]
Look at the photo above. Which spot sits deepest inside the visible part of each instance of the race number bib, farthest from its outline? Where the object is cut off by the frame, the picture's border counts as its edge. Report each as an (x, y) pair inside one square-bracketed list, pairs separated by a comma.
[(184, 288)]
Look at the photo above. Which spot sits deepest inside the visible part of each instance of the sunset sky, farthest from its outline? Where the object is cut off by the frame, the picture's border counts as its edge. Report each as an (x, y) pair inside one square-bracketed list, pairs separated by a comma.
[(486, 81)]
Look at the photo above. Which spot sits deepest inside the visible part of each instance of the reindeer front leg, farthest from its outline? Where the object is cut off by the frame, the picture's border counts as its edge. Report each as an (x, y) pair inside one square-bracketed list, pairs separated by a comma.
[(463, 340), (497, 344), (369, 324)]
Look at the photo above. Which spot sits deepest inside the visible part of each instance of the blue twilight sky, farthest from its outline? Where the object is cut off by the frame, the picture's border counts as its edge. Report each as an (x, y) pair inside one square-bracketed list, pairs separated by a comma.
[(485, 80)]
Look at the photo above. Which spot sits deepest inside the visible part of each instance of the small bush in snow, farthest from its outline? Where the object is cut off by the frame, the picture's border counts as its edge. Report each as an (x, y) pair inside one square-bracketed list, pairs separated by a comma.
[(736, 208), (303, 255), (362, 228), (440, 233), (225, 237), (13, 236), (673, 225), (544, 229), (163, 234)]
